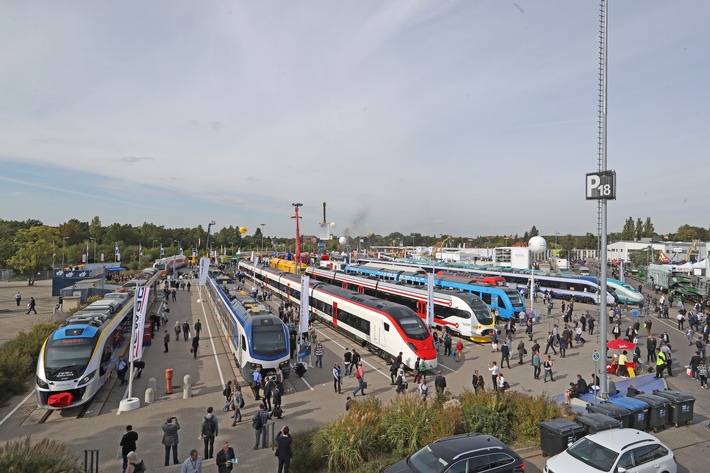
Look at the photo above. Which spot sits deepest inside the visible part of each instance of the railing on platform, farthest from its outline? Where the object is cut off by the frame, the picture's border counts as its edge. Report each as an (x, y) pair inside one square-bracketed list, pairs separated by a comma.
[(91, 461)]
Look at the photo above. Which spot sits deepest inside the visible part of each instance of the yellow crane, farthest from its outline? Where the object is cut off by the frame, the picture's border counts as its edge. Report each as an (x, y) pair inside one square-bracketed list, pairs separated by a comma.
[(692, 248), (438, 246)]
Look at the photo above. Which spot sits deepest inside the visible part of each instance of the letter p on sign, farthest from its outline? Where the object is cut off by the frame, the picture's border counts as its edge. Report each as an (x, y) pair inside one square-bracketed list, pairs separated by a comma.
[(601, 185)]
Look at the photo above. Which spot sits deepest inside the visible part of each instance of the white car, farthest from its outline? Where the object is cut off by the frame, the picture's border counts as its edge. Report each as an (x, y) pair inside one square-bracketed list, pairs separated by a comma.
[(616, 450)]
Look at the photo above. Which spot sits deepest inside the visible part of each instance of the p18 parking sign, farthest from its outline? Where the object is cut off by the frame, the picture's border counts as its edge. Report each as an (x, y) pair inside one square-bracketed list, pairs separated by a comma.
[(601, 185)]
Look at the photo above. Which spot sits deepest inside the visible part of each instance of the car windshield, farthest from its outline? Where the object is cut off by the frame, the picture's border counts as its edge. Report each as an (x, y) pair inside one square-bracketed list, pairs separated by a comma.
[(426, 461), (593, 454)]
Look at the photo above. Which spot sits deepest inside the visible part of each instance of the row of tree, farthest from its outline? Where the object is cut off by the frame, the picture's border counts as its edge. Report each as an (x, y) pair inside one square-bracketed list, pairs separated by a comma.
[(30, 247)]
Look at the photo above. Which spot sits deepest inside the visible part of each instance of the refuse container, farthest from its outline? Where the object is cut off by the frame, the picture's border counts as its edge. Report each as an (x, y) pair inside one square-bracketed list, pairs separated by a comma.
[(594, 422), (638, 408), (681, 406), (612, 410), (658, 410), (558, 434)]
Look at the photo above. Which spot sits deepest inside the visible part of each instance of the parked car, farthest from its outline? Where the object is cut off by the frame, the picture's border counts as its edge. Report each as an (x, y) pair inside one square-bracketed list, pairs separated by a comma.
[(616, 450), (464, 453)]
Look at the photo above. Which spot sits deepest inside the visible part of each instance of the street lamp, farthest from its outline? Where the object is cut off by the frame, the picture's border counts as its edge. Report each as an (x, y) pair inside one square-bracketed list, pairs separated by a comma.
[(179, 246), (298, 236), (262, 236), (209, 227), (536, 245), (154, 243)]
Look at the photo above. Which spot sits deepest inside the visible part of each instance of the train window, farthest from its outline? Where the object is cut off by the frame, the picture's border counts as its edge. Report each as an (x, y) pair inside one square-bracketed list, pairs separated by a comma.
[(443, 312), (244, 343), (486, 297), (387, 327)]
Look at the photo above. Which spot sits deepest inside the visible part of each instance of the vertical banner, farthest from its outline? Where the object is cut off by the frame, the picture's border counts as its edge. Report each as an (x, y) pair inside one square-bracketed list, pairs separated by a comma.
[(116, 253), (430, 300), (204, 270), (140, 250), (162, 251), (102, 257), (141, 306), (621, 270), (181, 251), (305, 304)]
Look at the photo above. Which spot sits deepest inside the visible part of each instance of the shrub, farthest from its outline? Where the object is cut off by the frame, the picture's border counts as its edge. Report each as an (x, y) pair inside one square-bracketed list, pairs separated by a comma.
[(18, 358), (48, 456), (305, 458), (351, 440)]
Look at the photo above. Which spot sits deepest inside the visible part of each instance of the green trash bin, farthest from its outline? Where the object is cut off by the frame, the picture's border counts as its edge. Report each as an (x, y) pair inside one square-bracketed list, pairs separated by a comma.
[(681, 406), (659, 409), (558, 434)]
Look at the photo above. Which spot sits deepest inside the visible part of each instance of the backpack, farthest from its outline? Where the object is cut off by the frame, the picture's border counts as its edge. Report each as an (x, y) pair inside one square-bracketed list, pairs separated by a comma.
[(139, 466), (699, 344), (226, 391), (208, 427), (256, 422)]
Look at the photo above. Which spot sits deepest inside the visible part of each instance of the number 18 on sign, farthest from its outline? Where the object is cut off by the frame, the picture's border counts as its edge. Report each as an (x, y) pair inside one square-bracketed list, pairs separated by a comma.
[(601, 185)]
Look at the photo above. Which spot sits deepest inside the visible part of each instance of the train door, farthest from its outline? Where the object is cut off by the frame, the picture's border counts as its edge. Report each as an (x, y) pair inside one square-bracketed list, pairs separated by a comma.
[(334, 314), (376, 334)]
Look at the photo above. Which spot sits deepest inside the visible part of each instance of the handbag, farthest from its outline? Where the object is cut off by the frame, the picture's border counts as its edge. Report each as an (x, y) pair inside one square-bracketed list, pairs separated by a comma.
[(364, 385), (190, 349)]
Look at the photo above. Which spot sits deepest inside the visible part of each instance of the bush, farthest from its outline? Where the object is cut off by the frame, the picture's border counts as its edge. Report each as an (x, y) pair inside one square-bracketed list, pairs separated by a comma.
[(18, 358), (306, 459), (351, 440), (48, 456)]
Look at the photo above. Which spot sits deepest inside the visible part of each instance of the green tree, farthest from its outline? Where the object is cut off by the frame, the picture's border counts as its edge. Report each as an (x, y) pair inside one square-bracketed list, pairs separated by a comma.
[(638, 232), (566, 246), (648, 230), (34, 249), (628, 232), (689, 233), (533, 232), (95, 228), (590, 241)]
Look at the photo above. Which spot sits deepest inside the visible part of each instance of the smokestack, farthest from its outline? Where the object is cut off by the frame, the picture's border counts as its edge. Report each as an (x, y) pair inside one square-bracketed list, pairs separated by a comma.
[(324, 220)]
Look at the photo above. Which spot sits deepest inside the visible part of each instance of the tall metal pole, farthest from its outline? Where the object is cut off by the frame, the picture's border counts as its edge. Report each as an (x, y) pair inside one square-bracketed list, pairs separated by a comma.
[(262, 236), (298, 237), (602, 127)]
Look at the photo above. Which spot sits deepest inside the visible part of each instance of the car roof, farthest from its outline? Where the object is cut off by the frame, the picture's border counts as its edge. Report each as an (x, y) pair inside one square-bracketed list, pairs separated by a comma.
[(457, 446), (619, 440)]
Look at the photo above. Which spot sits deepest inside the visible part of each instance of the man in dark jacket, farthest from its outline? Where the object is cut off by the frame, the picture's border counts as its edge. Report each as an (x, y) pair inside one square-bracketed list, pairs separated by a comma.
[(195, 346), (209, 430), (171, 439), (440, 383), (277, 412), (128, 444), (224, 465), (283, 449)]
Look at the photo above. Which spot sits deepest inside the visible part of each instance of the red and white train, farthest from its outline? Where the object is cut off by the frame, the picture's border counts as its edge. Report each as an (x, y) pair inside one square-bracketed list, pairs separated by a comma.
[(383, 327)]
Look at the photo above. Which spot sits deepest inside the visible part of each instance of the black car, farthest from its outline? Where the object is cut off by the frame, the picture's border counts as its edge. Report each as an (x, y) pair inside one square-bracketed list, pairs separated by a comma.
[(467, 453)]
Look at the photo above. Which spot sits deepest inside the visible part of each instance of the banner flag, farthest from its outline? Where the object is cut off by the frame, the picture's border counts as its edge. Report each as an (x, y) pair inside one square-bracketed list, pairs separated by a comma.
[(430, 300), (305, 304), (204, 270), (140, 306), (162, 251)]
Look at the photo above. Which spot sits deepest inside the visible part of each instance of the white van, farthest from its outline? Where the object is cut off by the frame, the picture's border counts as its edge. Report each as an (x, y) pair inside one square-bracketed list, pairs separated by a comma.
[(584, 271)]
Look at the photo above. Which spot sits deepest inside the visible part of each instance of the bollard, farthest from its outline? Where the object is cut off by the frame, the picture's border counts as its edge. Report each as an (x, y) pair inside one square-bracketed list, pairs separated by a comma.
[(169, 381), (187, 379), (149, 396), (187, 391), (153, 384)]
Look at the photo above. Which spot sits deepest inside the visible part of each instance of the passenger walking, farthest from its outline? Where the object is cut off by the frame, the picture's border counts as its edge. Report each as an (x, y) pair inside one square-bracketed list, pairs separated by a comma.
[(283, 449), (319, 354), (193, 463), (186, 330), (361, 384), (189, 285), (493, 368), (550, 343), (268, 391), (128, 444), (277, 411), (347, 357), (337, 378), (547, 365), (224, 457), (195, 346), (133, 463), (424, 391), (260, 423), (209, 431), (18, 298), (32, 305), (459, 350), (590, 325), (236, 401), (166, 340), (171, 439), (440, 383), (121, 369), (505, 355), (198, 327), (177, 329), (536, 362), (257, 379), (522, 351)]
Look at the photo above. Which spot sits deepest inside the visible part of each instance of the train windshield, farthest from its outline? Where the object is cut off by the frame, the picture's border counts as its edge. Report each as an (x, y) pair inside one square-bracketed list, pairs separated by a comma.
[(514, 296), (483, 314), (68, 353), (412, 325), (159, 266), (268, 340)]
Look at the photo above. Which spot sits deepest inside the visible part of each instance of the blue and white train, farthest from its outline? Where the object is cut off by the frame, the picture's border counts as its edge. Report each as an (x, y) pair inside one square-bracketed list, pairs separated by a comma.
[(255, 336), (505, 300), (78, 357)]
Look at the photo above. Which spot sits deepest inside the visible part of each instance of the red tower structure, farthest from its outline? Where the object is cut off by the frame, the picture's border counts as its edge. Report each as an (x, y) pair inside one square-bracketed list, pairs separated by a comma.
[(298, 235)]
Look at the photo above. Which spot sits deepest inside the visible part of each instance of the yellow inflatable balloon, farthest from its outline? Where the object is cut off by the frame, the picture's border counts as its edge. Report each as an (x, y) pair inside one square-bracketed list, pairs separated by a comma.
[(242, 230)]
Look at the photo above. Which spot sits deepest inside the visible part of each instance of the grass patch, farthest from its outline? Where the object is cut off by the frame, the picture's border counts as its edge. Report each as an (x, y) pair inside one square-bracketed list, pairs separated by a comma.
[(46, 456), (18, 358)]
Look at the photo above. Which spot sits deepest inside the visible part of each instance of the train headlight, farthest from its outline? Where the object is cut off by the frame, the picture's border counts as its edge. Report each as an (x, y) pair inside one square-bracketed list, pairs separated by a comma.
[(41, 383), (413, 348), (87, 378)]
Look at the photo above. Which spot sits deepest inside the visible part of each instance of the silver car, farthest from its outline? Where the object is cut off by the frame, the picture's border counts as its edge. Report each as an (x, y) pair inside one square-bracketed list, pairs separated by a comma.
[(616, 450)]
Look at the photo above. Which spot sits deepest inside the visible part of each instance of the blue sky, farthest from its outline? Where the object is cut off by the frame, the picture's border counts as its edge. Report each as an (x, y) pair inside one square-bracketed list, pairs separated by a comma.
[(456, 117)]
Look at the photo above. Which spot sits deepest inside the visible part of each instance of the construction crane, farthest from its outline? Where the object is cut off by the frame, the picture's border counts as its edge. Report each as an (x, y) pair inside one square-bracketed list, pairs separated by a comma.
[(662, 257), (438, 246), (692, 248)]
